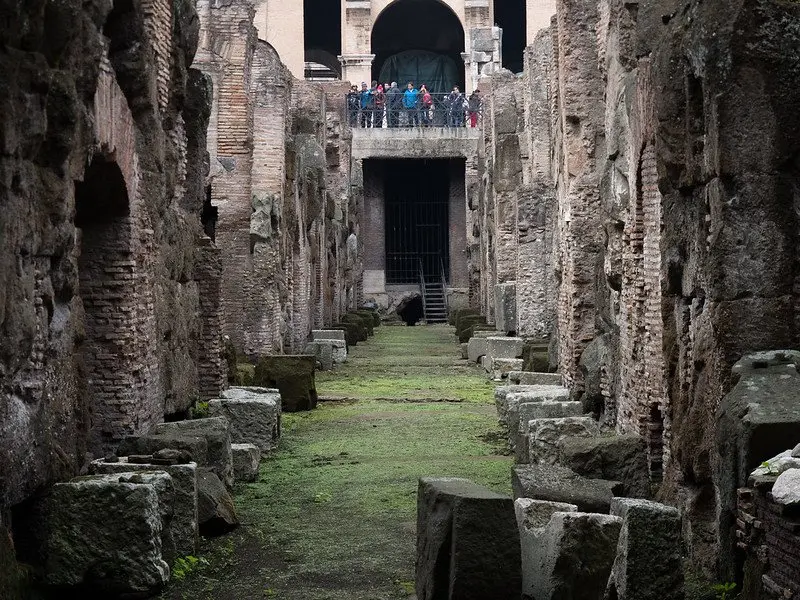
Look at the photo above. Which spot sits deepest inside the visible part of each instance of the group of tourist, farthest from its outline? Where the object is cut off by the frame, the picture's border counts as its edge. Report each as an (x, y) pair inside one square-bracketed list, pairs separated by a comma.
[(389, 106)]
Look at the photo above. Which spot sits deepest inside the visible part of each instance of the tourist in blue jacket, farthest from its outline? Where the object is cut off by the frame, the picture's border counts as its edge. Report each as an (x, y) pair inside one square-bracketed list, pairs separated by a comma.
[(411, 105), (367, 105)]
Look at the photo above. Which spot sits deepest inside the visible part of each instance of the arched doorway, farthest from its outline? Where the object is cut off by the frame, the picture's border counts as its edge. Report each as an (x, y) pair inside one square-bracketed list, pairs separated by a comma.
[(419, 41), (106, 271)]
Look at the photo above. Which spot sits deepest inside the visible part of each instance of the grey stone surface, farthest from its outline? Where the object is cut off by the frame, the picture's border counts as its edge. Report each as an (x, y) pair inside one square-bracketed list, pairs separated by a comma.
[(246, 459), (796, 451), (254, 418), (545, 436), (327, 334), (105, 531), (777, 465), (183, 527), (215, 509), (531, 378), (477, 348), (207, 440), (464, 351), (757, 420), (574, 556), (508, 399), (239, 392), (786, 490), (555, 483), (505, 302), (532, 518), (327, 352), (505, 347), (499, 368), (530, 411), (467, 542), (648, 564), (618, 457)]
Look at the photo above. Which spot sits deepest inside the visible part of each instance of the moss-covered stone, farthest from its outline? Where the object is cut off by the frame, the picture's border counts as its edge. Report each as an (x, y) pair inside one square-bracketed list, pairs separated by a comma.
[(454, 314), (361, 322), (352, 332), (535, 357), (294, 378), (372, 315), (466, 315), (466, 327)]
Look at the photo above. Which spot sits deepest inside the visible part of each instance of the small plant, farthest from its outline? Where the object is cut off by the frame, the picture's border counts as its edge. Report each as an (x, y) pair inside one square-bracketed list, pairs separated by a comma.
[(200, 409), (186, 565), (322, 497), (724, 591)]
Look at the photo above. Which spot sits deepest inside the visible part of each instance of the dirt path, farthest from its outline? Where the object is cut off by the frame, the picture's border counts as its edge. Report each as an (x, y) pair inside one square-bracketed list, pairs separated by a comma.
[(332, 516)]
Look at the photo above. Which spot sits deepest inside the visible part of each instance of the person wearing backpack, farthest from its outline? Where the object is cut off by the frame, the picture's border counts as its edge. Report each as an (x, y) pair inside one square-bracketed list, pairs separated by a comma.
[(455, 103)]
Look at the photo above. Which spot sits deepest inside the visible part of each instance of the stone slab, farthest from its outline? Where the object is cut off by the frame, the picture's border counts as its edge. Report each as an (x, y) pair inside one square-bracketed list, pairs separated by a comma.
[(499, 368), (505, 347), (254, 418), (105, 531), (617, 457), (208, 441), (246, 460), (545, 435), (555, 483), (531, 411), (467, 542), (328, 334), (183, 528), (649, 563), (293, 376), (531, 378), (477, 348)]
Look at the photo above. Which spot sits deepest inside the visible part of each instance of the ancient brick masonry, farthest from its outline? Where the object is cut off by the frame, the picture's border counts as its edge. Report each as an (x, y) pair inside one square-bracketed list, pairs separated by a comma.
[(674, 231), (279, 178), (106, 283)]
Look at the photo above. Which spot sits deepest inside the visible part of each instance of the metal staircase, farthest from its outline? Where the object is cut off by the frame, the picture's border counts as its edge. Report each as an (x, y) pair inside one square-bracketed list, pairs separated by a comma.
[(434, 297)]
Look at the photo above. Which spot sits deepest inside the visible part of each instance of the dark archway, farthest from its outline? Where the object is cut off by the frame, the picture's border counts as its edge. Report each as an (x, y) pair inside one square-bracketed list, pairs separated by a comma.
[(107, 288), (322, 38), (511, 16), (424, 38)]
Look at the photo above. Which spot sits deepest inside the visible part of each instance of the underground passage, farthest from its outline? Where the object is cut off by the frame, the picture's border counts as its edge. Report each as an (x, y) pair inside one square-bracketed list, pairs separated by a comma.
[(270, 330)]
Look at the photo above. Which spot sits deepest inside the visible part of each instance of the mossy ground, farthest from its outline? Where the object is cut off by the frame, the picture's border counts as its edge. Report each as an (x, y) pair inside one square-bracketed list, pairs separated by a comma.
[(333, 513)]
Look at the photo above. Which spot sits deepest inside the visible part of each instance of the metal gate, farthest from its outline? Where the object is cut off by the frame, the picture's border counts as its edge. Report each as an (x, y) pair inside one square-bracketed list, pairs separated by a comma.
[(417, 194)]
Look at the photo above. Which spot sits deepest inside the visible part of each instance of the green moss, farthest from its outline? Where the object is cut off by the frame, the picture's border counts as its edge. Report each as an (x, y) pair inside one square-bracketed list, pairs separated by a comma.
[(333, 513)]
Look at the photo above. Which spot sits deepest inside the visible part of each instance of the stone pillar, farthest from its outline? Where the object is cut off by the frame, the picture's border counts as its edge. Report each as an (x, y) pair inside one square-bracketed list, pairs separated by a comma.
[(356, 67), (373, 233)]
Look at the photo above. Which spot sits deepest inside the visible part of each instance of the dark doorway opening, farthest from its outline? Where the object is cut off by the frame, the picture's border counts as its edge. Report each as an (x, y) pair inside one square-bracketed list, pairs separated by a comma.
[(322, 27), (419, 41), (511, 16), (107, 288), (417, 194)]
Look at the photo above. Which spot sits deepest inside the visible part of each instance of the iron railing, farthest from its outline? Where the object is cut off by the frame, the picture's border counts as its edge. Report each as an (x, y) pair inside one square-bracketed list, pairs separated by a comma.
[(403, 111)]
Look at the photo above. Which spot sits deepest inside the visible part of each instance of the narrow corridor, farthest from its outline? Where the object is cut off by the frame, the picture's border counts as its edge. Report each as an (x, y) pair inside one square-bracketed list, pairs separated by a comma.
[(333, 514)]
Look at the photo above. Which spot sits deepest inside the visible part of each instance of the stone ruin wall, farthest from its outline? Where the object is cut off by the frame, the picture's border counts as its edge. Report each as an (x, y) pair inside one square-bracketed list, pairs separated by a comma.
[(279, 179), (108, 318), (673, 153)]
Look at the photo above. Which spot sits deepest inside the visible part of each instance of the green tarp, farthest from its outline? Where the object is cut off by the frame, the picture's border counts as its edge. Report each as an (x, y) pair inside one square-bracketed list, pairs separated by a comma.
[(438, 72)]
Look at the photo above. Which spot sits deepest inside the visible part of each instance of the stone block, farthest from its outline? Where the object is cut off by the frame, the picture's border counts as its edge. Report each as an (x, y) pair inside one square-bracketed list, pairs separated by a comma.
[(777, 465), (574, 557), (208, 442), (648, 563), (328, 334), (254, 417), (467, 542), (370, 314), (499, 368), (327, 352), (477, 348), (505, 347), (352, 333), (506, 395), (216, 513), (366, 322), (621, 458), (531, 378), (545, 436), (555, 483), (482, 40), (104, 531), (182, 529), (538, 393), (532, 518), (293, 376), (532, 411), (505, 303), (757, 420), (246, 459), (464, 351)]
